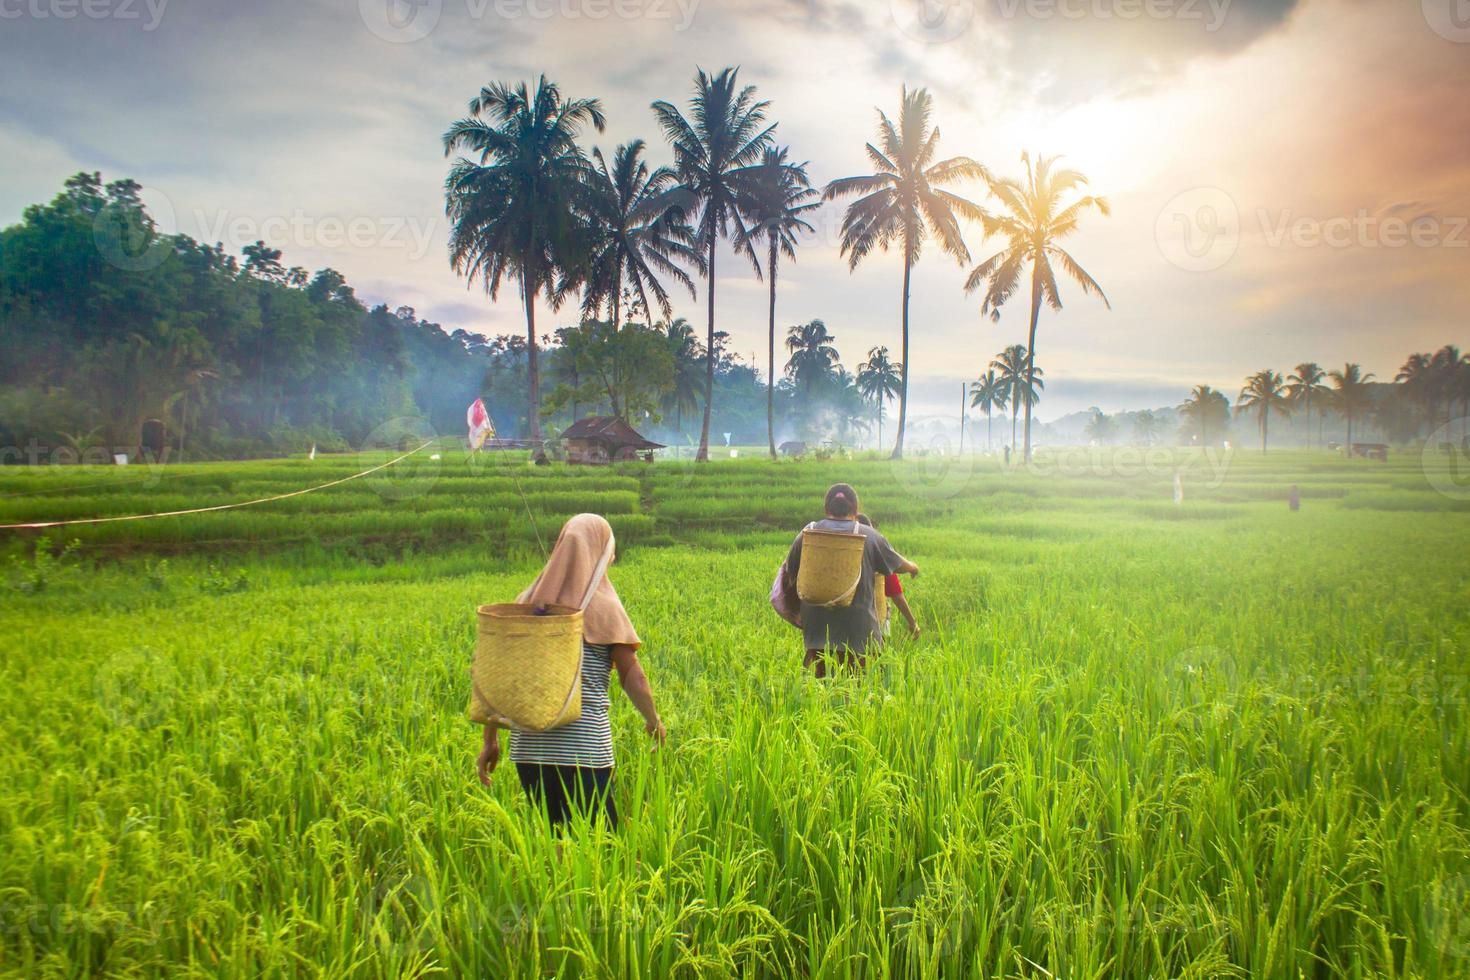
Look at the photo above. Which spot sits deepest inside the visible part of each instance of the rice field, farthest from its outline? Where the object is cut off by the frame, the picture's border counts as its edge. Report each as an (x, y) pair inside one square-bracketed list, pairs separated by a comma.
[(1137, 739)]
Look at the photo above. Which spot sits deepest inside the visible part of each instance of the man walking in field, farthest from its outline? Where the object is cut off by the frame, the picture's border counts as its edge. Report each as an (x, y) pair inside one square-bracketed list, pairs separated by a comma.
[(845, 632)]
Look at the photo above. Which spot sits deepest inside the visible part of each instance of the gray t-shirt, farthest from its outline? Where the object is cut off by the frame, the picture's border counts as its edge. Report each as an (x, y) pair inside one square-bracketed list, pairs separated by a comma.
[(849, 627)]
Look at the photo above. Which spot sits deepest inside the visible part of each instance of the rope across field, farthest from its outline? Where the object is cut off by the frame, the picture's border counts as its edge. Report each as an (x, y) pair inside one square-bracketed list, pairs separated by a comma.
[(39, 525)]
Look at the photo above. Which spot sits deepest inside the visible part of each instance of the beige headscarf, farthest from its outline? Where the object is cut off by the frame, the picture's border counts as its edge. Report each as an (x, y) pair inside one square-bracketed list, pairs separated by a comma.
[(568, 572)]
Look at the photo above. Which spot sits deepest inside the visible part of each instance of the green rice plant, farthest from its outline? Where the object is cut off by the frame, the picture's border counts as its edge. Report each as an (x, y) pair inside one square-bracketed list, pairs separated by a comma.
[(1134, 739)]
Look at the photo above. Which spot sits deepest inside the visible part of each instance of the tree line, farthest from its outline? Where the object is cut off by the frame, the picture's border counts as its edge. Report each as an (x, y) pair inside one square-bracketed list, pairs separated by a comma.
[(110, 327), (1427, 394), (117, 337)]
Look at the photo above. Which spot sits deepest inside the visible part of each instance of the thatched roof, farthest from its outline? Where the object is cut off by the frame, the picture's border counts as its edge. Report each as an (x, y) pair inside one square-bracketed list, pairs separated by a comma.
[(608, 429)]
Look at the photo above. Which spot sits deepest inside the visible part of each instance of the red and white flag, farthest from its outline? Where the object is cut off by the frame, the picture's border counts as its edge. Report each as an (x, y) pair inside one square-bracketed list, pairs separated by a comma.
[(481, 428)]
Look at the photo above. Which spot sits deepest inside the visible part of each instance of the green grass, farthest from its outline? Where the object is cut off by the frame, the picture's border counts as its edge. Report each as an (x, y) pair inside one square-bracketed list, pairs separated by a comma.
[(1136, 740)]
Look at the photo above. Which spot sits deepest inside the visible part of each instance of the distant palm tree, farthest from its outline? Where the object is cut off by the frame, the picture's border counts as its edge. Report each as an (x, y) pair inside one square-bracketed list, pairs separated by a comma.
[(1304, 387), (683, 393), (513, 202), (849, 407), (1012, 366), (813, 358), (1448, 367), (1101, 429), (637, 232), (714, 150), (1206, 405), (1265, 393), (1035, 219), (903, 203), (879, 380), (1350, 395), (1145, 427), (1421, 384), (988, 393), (774, 199)]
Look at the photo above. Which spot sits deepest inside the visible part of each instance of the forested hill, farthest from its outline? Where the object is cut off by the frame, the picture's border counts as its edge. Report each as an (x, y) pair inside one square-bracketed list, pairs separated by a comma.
[(106, 323)]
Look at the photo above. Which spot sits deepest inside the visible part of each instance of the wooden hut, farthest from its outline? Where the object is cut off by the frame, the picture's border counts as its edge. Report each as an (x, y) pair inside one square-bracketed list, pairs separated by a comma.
[(603, 439)]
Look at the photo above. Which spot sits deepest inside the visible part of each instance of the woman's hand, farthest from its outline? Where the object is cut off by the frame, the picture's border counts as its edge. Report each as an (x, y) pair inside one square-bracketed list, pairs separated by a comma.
[(656, 729), (489, 755)]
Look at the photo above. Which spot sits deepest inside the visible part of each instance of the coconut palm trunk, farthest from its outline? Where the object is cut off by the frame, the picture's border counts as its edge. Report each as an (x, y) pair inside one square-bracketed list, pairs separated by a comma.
[(532, 366), (1031, 356), (771, 355), (709, 360), (903, 395)]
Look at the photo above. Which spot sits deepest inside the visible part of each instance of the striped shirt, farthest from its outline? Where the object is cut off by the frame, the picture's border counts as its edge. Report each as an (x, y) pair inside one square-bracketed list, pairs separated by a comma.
[(586, 741)]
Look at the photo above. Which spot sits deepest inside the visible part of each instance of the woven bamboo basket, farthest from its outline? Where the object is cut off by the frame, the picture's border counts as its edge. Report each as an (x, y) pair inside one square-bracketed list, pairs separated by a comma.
[(831, 567), (527, 671), (880, 598)]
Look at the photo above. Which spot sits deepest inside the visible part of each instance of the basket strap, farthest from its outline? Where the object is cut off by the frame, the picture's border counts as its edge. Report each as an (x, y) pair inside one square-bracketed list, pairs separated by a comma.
[(597, 574)]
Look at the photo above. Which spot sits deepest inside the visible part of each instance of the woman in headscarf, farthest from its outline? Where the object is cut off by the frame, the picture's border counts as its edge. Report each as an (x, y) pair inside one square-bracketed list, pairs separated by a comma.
[(570, 769)]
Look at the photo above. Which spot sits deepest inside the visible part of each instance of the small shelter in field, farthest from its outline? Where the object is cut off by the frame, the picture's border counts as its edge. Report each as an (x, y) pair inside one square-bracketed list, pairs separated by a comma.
[(602, 439), (1371, 450), (791, 447)]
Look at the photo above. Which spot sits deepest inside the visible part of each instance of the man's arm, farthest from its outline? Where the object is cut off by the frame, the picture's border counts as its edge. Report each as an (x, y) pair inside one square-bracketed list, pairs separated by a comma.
[(890, 562)]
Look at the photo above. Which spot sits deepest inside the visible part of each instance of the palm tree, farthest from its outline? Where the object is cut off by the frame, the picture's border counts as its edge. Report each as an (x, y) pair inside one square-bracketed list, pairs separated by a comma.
[(848, 406), (775, 197), (1101, 428), (1035, 219), (1304, 385), (813, 358), (1203, 406), (903, 203), (713, 155), (683, 393), (1011, 365), (1350, 393), (1448, 367), (1265, 393), (1145, 426), (1421, 384), (513, 202), (879, 379), (987, 394), (634, 216)]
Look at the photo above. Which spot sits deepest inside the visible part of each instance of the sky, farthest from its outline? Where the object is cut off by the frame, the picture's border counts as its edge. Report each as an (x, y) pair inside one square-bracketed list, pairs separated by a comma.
[(1289, 180)]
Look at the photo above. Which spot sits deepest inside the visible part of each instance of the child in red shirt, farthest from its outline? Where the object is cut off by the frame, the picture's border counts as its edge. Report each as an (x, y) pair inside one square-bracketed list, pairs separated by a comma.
[(893, 588)]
